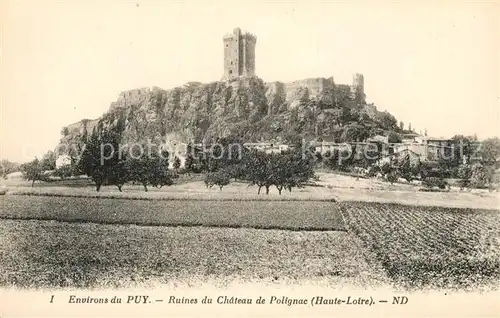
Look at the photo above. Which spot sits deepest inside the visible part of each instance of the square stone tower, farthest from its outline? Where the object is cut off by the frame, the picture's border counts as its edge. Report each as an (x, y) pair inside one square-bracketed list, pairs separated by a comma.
[(358, 87), (239, 54)]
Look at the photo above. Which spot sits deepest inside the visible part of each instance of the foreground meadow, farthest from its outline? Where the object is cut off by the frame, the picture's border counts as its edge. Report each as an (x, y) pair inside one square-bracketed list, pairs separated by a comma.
[(430, 247), (87, 242), (52, 254)]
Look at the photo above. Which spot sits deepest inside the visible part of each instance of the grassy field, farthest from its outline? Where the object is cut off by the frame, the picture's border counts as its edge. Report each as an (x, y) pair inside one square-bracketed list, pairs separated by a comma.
[(430, 246), (53, 254), (253, 214), (329, 187)]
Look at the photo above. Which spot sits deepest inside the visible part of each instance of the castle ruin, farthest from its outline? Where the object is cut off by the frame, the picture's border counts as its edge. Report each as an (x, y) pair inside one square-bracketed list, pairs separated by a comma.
[(239, 61), (357, 87), (239, 54)]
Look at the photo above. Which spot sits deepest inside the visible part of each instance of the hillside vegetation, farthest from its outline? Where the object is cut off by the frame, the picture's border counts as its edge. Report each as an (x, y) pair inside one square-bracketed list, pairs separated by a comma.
[(248, 108)]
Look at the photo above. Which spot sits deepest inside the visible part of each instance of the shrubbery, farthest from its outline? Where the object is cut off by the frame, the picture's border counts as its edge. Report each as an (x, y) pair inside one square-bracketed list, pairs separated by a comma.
[(392, 177), (431, 182)]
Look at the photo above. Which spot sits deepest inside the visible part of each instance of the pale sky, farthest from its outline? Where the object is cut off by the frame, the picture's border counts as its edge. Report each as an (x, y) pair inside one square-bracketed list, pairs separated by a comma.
[(431, 63)]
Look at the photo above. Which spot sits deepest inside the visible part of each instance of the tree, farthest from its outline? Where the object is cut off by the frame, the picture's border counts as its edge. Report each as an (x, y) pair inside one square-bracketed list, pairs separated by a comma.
[(490, 150), (394, 138), (345, 115), (480, 176), (373, 171), (195, 159), (102, 161), (406, 169), (386, 120), (465, 173), (354, 132), (7, 167), (33, 171), (160, 175), (318, 156), (189, 161), (140, 170), (64, 172), (48, 161), (354, 115), (462, 148), (258, 166), (280, 171), (428, 169), (386, 168), (177, 163), (236, 171), (219, 178), (117, 174), (299, 171), (339, 159), (285, 171), (64, 131)]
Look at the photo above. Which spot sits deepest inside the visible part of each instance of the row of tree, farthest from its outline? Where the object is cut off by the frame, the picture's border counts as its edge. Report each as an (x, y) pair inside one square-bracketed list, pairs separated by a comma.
[(286, 170), (105, 165)]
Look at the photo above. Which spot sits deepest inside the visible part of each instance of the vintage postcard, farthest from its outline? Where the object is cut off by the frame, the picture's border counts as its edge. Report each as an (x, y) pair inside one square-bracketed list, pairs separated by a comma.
[(225, 158)]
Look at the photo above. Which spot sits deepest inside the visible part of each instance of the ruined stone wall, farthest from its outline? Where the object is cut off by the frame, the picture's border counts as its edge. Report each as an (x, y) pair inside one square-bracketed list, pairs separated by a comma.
[(315, 86), (133, 97), (342, 92), (82, 127)]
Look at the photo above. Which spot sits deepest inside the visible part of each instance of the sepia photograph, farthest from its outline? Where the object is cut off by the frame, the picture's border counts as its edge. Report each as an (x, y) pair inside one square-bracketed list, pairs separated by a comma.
[(264, 150)]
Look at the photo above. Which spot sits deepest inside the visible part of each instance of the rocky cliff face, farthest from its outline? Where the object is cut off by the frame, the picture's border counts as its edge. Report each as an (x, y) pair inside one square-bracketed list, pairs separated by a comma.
[(245, 107)]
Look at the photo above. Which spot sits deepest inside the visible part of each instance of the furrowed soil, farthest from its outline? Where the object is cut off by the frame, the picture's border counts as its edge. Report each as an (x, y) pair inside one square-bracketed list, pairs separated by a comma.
[(430, 247)]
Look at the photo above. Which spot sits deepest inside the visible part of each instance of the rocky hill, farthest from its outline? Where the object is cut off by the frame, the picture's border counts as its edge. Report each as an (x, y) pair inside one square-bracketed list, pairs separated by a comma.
[(245, 107)]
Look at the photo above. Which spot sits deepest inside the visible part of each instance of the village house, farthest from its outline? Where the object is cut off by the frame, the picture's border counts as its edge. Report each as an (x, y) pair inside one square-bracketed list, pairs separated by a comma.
[(427, 148), (267, 147)]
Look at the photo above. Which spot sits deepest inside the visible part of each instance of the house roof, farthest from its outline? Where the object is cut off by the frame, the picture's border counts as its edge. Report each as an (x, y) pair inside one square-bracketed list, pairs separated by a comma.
[(434, 138), (379, 138)]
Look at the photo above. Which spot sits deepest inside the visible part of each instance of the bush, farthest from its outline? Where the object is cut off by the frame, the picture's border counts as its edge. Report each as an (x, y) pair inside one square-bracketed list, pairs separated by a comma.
[(431, 190), (373, 171), (480, 176), (431, 182), (392, 177), (63, 172)]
